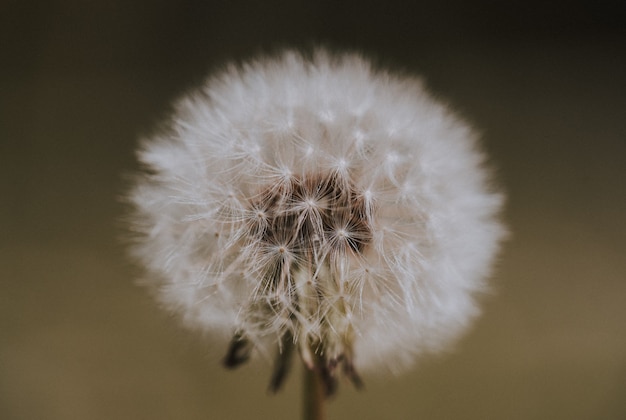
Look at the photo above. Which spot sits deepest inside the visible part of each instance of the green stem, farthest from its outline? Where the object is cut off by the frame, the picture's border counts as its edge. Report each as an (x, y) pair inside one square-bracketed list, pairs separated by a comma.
[(314, 396)]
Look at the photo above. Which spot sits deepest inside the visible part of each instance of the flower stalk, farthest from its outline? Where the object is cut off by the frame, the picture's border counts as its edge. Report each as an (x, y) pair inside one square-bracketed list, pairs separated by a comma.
[(314, 396)]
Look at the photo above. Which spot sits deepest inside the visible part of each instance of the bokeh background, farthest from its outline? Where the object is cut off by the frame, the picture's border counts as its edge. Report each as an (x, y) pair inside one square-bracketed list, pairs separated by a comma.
[(81, 81)]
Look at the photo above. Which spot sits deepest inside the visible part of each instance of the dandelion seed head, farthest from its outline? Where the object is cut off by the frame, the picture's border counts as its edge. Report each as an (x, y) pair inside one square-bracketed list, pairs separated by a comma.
[(319, 202)]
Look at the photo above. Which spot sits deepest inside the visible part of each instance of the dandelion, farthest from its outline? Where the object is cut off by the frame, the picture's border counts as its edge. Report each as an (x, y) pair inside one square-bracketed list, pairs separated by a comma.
[(318, 207)]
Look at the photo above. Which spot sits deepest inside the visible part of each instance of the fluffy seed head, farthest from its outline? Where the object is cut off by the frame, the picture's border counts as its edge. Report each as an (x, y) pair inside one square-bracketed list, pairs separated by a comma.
[(319, 202)]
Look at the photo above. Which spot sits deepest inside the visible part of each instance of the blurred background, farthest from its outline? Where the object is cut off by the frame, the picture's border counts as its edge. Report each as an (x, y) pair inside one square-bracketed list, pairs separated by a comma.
[(80, 81)]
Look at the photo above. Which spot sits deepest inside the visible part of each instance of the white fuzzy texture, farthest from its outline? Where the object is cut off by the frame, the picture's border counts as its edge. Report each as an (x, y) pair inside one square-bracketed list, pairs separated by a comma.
[(261, 128)]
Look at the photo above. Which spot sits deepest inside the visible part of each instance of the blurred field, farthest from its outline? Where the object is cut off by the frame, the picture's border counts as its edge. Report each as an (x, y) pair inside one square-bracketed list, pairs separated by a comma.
[(80, 83)]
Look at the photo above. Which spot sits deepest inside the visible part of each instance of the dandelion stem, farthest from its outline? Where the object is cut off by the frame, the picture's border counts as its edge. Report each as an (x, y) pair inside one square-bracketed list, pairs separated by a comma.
[(314, 395)]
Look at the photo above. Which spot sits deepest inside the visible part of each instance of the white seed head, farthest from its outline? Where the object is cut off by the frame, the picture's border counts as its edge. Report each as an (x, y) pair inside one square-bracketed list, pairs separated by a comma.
[(320, 202)]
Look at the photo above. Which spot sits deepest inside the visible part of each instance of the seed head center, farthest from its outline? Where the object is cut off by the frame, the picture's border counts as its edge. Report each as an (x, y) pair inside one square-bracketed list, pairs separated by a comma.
[(289, 221)]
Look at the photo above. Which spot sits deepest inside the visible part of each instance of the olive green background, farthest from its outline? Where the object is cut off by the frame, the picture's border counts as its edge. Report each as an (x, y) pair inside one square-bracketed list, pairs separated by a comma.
[(80, 81)]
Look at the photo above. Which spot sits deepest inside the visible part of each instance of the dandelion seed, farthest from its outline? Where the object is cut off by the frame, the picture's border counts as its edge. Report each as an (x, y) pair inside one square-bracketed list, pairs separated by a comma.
[(317, 207)]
